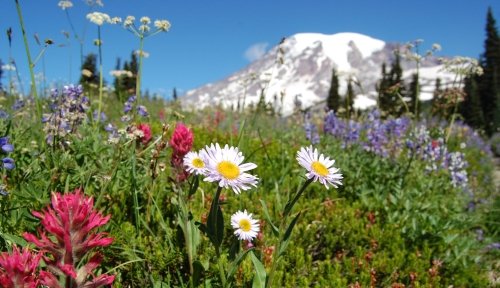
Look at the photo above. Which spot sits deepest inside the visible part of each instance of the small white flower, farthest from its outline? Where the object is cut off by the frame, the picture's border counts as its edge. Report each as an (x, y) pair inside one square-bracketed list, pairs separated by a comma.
[(194, 162), (319, 167), (98, 18), (65, 4), (246, 228), (87, 73), (145, 20), (115, 20), (129, 21), (162, 25), (142, 54), (8, 67), (224, 165), (144, 28)]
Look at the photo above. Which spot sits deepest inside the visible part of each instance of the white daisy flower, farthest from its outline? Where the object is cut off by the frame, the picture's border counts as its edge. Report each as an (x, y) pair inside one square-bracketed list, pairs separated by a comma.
[(194, 162), (225, 166), (319, 167), (246, 228)]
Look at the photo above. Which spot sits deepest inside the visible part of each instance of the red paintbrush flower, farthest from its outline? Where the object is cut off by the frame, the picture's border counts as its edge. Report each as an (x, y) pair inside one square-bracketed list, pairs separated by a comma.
[(182, 140), (68, 234), (19, 268), (146, 130)]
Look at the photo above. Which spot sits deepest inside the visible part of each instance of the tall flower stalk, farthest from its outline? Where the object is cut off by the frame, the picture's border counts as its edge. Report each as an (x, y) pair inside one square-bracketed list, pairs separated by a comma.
[(99, 19), (142, 31), (462, 67), (31, 65), (319, 168)]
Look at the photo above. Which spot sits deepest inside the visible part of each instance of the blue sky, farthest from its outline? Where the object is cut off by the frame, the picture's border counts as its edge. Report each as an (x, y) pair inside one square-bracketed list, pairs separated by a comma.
[(209, 40)]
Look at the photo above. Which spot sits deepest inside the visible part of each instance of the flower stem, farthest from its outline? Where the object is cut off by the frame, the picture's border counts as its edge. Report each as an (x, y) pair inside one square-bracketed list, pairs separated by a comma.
[(100, 75), (139, 72), (30, 62), (281, 232)]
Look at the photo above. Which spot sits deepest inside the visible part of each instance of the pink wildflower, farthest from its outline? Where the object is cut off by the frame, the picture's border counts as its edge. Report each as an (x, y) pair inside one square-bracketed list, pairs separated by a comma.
[(146, 130), (19, 268), (182, 140), (68, 235), (181, 143)]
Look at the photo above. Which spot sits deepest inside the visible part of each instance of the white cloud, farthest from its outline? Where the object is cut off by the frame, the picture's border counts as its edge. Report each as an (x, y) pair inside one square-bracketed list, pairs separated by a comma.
[(256, 51)]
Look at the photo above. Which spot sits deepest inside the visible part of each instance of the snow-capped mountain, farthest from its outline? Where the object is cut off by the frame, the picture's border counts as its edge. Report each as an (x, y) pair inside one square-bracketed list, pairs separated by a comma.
[(301, 66)]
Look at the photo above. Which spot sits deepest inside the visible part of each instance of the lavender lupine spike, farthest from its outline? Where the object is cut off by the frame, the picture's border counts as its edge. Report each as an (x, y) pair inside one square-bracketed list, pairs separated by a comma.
[(68, 112), (310, 129), (68, 235)]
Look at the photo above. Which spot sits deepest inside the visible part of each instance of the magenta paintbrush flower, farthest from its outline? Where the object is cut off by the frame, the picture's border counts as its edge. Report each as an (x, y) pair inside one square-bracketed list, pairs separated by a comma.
[(18, 269), (68, 234)]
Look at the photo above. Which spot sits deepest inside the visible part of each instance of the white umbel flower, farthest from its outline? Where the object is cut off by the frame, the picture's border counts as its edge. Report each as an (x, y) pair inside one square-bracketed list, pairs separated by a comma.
[(319, 167), (98, 18), (246, 228), (162, 25), (65, 4), (224, 165), (129, 21), (194, 163)]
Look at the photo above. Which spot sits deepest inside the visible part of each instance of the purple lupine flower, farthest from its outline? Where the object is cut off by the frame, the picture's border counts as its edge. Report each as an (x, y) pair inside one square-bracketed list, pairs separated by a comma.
[(8, 163), (5, 145), (310, 129), (18, 104), (141, 110), (68, 112), (110, 127), (102, 118), (3, 114), (352, 132)]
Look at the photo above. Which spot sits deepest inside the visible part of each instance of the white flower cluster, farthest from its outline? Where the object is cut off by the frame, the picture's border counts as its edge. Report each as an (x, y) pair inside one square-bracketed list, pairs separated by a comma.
[(121, 73), (65, 4), (144, 28), (464, 66), (100, 18)]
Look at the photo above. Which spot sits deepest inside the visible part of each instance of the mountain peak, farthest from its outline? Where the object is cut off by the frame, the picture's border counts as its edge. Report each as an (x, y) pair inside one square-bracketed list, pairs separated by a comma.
[(305, 73)]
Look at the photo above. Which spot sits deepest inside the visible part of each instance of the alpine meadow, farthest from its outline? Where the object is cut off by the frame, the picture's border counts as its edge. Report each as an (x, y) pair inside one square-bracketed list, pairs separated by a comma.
[(330, 160)]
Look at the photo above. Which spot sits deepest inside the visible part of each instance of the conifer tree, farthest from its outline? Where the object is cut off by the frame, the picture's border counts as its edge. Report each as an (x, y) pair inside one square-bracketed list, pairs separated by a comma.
[(471, 108), (333, 100), (489, 89), (174, 94), (349, 99), (384, 98), (89, 71), (413, 92), (437, 98)]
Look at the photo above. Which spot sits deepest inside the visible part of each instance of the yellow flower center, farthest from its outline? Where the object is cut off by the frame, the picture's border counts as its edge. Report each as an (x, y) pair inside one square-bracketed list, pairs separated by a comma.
[(319, 168), (228, 170), (198, 163), (245, 225)]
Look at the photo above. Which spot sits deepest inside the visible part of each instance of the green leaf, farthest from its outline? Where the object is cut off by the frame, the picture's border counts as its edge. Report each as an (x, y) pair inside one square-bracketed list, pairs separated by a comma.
[(259, 279), (234, 265), (268, 218), (13, 239), (194, 185), (197, 273), (288, 233)]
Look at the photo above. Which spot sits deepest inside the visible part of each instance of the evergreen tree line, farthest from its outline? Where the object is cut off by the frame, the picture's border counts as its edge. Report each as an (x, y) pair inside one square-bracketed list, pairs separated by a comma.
[(479, 98), (481, 106)]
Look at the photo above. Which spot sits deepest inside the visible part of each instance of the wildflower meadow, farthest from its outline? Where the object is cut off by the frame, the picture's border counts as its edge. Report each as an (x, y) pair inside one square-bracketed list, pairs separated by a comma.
[(115, 188)]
